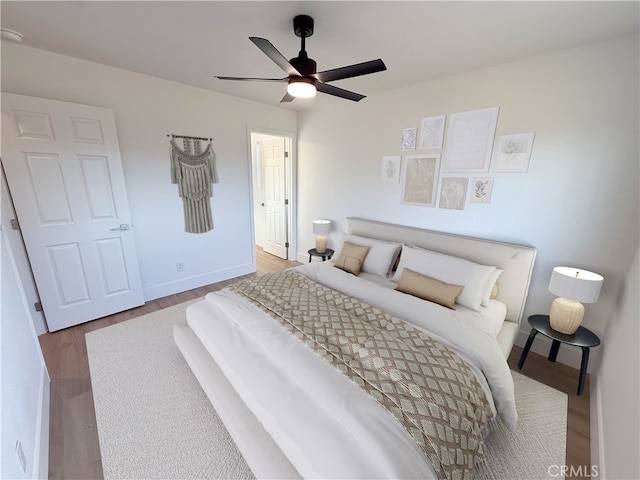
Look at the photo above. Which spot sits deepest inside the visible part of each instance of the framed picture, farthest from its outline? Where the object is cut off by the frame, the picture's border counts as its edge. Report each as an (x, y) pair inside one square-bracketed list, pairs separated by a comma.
[(408, 142), (391, 169), (481, 190), (514, 153), (420, 179), (453, 193), (432, 132), (470, 140)]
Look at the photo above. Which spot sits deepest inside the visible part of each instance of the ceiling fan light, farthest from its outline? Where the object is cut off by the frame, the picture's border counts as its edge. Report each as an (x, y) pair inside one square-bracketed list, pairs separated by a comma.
[(301, 87)]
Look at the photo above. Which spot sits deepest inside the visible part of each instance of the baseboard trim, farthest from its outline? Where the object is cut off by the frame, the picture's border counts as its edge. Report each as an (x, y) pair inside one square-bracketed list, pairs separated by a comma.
[(182, 285), (41, 451), (597, 426), (303, 257)]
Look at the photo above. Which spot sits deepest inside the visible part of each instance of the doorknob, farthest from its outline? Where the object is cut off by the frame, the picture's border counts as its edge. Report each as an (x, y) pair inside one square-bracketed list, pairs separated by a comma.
[(262, 204), (122, 228)]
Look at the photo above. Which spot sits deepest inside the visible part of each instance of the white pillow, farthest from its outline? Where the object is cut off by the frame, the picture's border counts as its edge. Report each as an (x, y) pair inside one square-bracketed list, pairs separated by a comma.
[(381, 257), (488, 287), (446, 268)]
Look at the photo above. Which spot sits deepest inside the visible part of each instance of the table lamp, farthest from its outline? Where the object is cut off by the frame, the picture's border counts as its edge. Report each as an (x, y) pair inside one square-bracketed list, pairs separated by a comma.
[(321, 229), (573, 286)]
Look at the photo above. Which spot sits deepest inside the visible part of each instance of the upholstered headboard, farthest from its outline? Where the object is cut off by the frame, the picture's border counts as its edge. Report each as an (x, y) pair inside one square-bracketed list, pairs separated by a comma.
[(516, 260)]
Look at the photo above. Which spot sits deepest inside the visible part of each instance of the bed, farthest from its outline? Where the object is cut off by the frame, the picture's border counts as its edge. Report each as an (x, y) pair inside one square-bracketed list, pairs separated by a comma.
[(303, 399)]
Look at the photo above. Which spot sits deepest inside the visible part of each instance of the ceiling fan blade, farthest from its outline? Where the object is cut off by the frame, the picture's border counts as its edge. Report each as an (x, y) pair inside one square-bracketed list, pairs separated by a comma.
[(338, 92), (355, 70), (287, 98), (272, 52), (251, 79)]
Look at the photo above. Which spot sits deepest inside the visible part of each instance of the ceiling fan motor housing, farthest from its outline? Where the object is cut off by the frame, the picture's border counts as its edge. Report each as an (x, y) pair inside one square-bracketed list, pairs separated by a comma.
[(303, 28), (303, 64), (303, 25)]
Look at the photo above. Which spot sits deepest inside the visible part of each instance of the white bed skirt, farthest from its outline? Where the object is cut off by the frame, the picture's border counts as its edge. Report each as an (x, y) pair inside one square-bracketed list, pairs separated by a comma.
[(259, 450)]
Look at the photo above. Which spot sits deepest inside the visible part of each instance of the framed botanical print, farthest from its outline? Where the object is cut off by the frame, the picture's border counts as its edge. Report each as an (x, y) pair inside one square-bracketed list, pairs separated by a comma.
[(514, 153), (420, 179)]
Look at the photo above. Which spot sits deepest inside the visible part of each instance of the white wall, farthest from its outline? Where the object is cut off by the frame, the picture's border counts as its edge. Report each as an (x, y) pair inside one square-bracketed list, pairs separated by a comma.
[(615, 407), (24, 382), (146, 110), (578, 203)]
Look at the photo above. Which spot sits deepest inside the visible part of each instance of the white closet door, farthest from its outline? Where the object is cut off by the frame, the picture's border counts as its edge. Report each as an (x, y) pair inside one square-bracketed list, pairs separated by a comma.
[(62, 163), (275, 223)]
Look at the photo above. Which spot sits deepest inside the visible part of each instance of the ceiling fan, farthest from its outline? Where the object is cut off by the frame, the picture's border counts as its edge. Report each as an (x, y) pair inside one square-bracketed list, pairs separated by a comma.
[(303, 79)]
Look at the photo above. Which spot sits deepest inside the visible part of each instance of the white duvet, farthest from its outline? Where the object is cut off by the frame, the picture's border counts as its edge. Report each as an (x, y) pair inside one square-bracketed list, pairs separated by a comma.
[(325, 425)]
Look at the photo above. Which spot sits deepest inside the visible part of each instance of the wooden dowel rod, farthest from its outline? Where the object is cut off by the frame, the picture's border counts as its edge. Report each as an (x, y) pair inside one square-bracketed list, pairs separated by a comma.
[(189, 137)]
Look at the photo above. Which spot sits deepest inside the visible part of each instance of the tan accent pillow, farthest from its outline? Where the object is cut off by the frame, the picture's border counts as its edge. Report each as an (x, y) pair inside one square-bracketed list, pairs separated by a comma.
[(381, 254), (352, 257), (494, 291), (453, 270), (428, 288)]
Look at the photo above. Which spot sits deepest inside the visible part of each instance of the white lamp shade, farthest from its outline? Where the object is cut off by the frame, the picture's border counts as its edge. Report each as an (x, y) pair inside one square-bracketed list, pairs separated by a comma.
[(576, 284), (321, 227)]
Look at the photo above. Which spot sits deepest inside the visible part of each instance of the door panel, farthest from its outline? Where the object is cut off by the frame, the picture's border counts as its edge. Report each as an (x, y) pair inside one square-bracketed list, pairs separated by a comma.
[(33, 125), (87, 130), (68, 271), (112, 264), (63, 167), (97, 183)]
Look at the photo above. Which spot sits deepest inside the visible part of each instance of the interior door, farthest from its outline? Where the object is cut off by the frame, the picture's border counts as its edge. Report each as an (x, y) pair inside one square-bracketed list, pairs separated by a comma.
[(62, 163), (272, 154)]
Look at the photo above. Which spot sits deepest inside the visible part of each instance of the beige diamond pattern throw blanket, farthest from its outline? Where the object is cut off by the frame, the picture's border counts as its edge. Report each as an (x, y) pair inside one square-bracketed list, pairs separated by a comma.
[(427, 387)]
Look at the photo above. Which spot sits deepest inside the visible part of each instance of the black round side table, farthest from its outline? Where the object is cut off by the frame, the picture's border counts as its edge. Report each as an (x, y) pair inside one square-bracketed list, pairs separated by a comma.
[(583, 338), (326, 255)]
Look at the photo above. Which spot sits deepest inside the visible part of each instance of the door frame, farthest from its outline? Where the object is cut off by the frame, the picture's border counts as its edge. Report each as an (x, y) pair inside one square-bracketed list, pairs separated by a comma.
[(19, 252), (291, 164)]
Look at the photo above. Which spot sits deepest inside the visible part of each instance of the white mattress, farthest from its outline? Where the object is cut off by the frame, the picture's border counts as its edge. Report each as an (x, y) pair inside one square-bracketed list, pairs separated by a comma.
[(325, 425)]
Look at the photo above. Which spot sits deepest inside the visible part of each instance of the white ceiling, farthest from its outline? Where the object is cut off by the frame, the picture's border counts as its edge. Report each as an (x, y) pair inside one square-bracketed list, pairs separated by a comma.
[(190, 42)]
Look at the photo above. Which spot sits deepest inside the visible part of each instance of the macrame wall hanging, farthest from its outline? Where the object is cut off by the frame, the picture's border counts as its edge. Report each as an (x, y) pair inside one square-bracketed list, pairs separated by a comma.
[(194, 171)]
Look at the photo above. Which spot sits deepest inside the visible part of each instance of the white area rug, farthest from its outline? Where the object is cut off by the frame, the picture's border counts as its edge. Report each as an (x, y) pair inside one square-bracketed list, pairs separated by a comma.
[(540, 439), (155, 422)]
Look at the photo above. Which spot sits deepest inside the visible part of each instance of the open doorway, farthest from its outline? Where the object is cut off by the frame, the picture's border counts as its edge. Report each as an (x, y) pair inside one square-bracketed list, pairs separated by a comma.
[(273, 200)]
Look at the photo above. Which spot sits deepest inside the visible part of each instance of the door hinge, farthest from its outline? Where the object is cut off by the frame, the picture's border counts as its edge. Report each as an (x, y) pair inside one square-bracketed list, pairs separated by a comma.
[(286, 201), (286, 154), (14, 224), (286, 244), (38, 306)]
